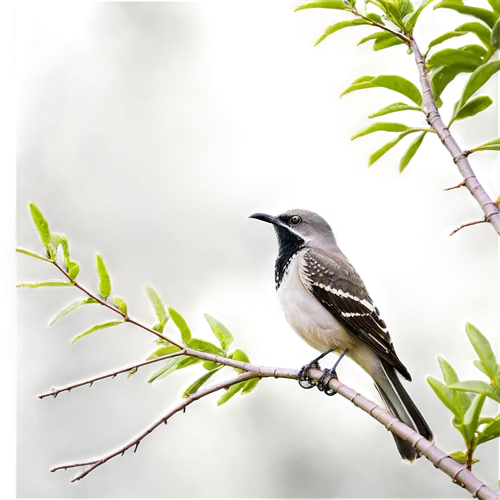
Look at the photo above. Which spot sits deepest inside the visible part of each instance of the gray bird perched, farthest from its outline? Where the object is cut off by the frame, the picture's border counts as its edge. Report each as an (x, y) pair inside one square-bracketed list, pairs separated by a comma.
[(326, 303)]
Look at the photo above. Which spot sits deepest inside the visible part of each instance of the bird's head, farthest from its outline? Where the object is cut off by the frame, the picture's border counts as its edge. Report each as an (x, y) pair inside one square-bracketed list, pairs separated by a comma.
[(301, 226)]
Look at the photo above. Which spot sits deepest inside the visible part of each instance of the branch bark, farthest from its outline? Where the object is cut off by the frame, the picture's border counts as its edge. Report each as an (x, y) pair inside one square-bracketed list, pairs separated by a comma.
[(459, 156)]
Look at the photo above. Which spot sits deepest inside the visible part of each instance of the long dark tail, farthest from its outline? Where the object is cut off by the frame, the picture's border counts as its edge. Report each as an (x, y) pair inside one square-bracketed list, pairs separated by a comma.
[(400, 405)]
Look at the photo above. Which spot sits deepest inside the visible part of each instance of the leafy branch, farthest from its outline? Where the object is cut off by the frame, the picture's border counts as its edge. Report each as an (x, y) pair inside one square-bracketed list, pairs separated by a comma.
[(195, 350), (395, 27)]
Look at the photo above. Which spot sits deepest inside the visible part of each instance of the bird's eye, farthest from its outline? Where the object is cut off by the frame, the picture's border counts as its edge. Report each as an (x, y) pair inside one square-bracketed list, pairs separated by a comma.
[(295, 219)]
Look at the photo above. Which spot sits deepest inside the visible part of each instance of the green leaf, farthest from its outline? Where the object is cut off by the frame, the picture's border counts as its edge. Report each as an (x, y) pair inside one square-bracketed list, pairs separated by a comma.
[(71, 307), (120, 303), (410, 152), (42, 225), (491, 431), (249, 386), (104, 281), (462, 400), (32, 254), (375, 17), (375, 36), (474, 106), (479, 366), (210, 365), (410, 23), (446, 36), (483, 349), (158, 307), (478, 78), (480, 30), (484, 15), (239, 355), (224, 336), (172, 365), (181, 324), (471, 417), (495, 5), (493, 145), (233, 390), (323, 4), (385, 43), (495, 35), (393, 108), (197, 384), (444, 394), (163, 351), (476, 386), (204, 346), (457, 59), (100, 326), (29, 284), (459, 456), (73, 269), (131, 372), (380, 127), (386, 147), (65, 249), (440, 79), (338, 26)]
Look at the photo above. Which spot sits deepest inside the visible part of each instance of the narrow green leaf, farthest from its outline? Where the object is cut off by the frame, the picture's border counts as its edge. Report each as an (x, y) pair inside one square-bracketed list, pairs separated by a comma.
[(474, 106), (483, 349), (393, 108), (459, 456), (491, 431), (338, 26), (233, 390), (495, 5), (29, 284), (410, 152), (495, 35), (323, 4), (239, 355), (440, 79), (375, 17), (388, 42), (444, 394), (471, 417), (484, 15), (456, 59), (462, 400), (224, 336), (41, 225), (72, 307), (131, 372), (197, 384), (171, 366), (480, 76), (65, 249), (156, 302), (100, 326), (479, 366), (163, 351), (386, 147), (120, 303), (493, 145), (73, 269), (480, 30), (249, 386), (361, 83), (446, 36), (376, 36), (104, 281), (204, 346), (32, 254), (210, 365), (381, 127), (410, 24), (181, 324), (476, 386)]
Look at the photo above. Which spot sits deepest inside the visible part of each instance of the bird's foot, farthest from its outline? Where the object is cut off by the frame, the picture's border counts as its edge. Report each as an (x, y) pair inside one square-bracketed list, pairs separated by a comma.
[(305, 381), (329, 373)]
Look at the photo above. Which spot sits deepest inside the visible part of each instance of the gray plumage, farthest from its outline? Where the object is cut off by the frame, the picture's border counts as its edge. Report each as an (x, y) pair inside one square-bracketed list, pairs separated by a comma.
[(326, 303)]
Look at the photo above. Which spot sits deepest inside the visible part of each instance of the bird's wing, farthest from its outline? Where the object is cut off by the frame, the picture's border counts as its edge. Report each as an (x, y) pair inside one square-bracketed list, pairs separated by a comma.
[(337, 285)]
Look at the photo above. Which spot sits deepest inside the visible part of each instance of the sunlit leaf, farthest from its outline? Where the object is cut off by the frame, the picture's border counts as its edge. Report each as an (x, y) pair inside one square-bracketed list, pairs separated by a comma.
[(386, 147), (474, 106), (323, 4), (172, 365), (476, 386), (120, 303), (480, 366), (181, 324), (461, 457), (204, 346), (197, 384), (163, 351), (233, 390), (104, 281), (410, 152), (493, 145), (338, 26), (480, 30), (239, 355), (210, 365), (131, 372), (462, 400), (158, 307), (41, 225), (495, 5), (385, 43), (224, 336), (440, 78), (250, 386), (444, 394), (72, 307), (29, 284), (484, 15), (100, 326), (456, 59), (393, 108), (32, 254), (490, 431), (471, 416), (483, 349), (381, 127), (73, 269), (375, 17), (410, 23), (495, 35)]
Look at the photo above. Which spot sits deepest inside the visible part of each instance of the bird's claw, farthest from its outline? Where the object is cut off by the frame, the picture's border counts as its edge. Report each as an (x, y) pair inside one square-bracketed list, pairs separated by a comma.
[(305, 381), (324, 381)]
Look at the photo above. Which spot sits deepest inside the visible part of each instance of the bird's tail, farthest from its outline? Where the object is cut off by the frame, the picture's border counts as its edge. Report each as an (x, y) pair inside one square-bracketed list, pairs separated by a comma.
[(400, 405)]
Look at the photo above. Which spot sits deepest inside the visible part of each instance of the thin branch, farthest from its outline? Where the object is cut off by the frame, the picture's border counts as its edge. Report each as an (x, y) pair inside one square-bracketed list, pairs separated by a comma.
[(491, 212), (137, 440), (382, 27), (473, 223), (459, 185), (55, 391)]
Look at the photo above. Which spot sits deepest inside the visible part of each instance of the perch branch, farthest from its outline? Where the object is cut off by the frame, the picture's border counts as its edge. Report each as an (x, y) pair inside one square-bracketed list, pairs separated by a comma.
[(491, 212), (473, 223)]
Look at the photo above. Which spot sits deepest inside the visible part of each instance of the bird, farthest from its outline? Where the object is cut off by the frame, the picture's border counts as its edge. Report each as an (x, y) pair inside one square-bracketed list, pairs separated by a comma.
[(326, 303)]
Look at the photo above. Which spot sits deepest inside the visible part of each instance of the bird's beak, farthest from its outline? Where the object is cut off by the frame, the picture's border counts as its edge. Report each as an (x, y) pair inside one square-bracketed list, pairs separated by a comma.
[(265, 218)]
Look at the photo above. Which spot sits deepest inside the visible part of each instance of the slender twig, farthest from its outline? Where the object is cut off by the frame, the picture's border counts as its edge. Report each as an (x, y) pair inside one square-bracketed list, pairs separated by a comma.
[(402, 36), (459, 185), (137, 440), (491, 212), (473, 223), (57, 390)]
